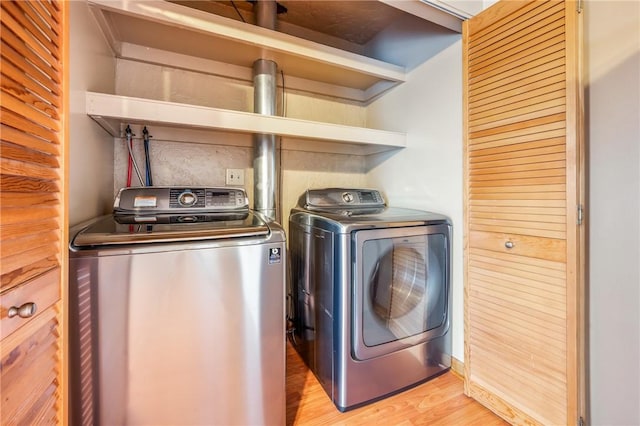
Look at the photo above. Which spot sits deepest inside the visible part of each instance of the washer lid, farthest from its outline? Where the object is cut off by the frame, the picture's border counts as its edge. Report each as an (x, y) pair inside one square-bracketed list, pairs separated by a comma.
[(161, 228)]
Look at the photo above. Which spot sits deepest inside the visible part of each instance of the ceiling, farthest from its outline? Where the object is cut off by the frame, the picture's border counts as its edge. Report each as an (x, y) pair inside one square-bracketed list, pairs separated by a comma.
[(331, 22)]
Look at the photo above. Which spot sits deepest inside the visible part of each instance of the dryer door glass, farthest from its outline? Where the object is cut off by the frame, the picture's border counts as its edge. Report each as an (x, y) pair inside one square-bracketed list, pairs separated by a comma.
[(401, 293)]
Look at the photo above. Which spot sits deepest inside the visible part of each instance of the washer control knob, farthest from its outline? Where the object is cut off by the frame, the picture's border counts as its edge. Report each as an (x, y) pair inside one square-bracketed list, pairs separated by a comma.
[(187, 199), (347, 197)]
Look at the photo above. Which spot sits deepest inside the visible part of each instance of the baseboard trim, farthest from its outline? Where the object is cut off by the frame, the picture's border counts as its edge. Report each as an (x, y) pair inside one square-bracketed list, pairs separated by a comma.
[(457, 367)]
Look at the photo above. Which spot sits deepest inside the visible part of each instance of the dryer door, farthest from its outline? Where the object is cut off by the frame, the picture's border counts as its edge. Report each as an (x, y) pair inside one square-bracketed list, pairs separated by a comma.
[(401, 289)]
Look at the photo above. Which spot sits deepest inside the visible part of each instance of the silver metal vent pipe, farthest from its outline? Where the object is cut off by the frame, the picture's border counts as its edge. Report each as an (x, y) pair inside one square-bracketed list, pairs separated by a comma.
[(265, 180)]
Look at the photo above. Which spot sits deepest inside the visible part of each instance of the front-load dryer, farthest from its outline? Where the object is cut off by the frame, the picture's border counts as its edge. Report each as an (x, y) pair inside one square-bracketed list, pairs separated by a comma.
[(370, 286)]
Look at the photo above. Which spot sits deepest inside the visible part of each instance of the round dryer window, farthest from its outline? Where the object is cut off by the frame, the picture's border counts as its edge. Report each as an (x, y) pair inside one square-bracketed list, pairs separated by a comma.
[(398, 281), (403, 290)]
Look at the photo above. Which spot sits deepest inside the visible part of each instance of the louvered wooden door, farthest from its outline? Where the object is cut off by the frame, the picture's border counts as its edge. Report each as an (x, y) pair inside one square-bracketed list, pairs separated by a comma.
[(523, 284), (33, 214)]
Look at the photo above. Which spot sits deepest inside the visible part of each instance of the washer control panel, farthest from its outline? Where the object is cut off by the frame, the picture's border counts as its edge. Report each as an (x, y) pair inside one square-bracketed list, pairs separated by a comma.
[(180, 199), (341, 198)]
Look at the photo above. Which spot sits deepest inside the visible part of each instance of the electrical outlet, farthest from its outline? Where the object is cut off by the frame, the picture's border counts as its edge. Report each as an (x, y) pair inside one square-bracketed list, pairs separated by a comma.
[(235, 177)]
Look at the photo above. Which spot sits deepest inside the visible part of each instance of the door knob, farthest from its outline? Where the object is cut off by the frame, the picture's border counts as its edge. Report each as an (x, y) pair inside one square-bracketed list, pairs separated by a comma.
[(27, 310), (509, 244)]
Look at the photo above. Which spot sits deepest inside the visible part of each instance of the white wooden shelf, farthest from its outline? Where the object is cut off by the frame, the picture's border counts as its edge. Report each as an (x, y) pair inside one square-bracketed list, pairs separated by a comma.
[(190, 123), (134, 25)]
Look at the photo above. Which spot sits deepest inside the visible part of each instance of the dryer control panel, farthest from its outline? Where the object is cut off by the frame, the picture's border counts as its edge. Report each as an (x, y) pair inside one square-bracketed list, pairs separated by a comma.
[(154, 199), (341, 198)]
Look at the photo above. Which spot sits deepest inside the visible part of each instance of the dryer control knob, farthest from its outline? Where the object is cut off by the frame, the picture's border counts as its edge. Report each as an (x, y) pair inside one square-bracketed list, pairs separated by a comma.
[(347, 197), (187, 199)]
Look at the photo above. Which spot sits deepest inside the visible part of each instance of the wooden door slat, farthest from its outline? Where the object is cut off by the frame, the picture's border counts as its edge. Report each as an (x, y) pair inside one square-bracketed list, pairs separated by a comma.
[(18, 13), (51, 12), (522, 60), (526, 159), (546, 90), (502, 309), (518, 78), (540, 124), (520, 231), (27, 97), (11, 103), (548, 366), (535, 330), (18, 122), (557, 219), (527, 280), (519, 71), (9, 23), (540, 210), (517, 138), (550, 307), (538, 40), (527, 289), (23, 273), (519, 386), (25, 259), (34, 67), (518, 189), (512, 308), (12, 183), (18, 153), (522, 265), (477, 194), (518, 203), (543, 106), (522, 167), (524, 149), (536, 180), (15, 246), (538, 127), (18, 168), (30, 199), (497, 32), (28, 141), (30, 10), (24, 215), (43, 411), (502, 90), (531, 112), (535, 85)]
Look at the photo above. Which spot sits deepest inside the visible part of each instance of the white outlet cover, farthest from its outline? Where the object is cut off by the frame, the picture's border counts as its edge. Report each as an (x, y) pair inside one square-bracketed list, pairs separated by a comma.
[(234, 177)]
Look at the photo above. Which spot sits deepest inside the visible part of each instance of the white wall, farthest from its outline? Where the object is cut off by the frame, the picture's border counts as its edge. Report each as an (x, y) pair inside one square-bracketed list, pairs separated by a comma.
[(612, 31), (427, 174), (180, 163), (92, 67)]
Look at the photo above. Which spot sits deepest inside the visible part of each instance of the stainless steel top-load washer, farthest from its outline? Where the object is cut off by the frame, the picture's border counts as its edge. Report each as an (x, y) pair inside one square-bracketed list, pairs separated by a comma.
[(177, 311), (370, 289)]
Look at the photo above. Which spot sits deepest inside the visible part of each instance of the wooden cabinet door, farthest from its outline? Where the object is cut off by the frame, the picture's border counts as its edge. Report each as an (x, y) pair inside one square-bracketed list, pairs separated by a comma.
[(523, 273), (33, 226)]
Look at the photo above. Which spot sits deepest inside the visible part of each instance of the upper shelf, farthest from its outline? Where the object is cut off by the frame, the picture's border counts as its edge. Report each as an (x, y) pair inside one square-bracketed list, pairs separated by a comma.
[(167, 27), (183, 122)]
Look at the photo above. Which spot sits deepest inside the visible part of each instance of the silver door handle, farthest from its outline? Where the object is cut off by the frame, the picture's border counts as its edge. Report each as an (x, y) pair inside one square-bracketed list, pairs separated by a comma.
[(509, 244), (27, 310)]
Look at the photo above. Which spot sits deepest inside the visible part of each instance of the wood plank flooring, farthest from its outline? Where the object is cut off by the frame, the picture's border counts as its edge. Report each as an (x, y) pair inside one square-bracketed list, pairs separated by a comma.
[(437, 402)]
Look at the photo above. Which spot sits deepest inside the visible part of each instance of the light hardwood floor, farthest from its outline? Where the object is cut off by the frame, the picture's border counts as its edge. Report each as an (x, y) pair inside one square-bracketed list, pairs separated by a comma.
[(437, 402)]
